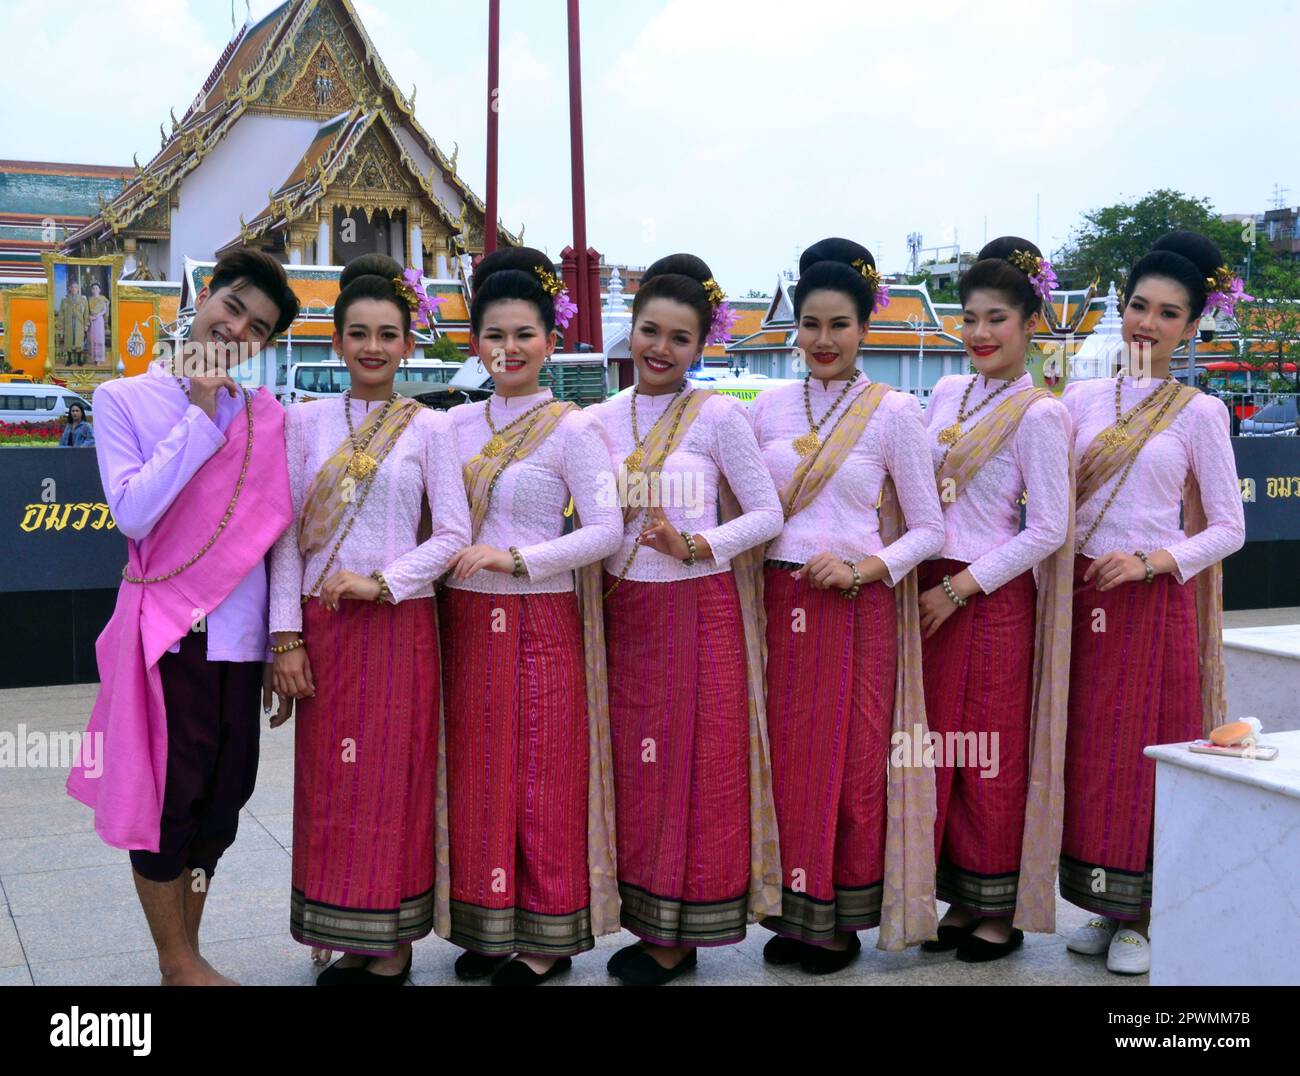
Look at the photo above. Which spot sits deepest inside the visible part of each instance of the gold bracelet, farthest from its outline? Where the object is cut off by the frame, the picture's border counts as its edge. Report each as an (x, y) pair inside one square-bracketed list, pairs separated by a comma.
[(953, 596), (690, 547), (385, 595), (286, 647)]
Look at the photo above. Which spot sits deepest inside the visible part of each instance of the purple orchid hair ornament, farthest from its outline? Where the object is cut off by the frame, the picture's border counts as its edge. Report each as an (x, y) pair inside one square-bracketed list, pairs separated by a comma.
[(723, 316), (565, 308), (1225, 291), (1042, 277), (410, 286)]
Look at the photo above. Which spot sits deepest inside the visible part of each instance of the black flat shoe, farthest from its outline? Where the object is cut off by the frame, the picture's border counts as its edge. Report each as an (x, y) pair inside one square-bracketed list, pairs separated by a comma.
[(470, 965), (336, 976), (781, 950), (641, 969), (371, 978), (976, 950), (950, 937), (623, 956), (517, 973), (822, 961)]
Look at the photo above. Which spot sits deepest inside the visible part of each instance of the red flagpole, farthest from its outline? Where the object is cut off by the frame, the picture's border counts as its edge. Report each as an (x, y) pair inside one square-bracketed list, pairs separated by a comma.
[(494, 106), (587, 302)]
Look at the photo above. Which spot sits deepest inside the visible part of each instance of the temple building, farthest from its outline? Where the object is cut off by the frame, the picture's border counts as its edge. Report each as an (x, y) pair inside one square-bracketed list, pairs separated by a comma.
[(300, 143)]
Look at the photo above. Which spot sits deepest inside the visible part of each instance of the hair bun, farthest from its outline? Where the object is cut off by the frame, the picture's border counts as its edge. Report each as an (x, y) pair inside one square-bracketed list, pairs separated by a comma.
[(687, 265), (1005, 246), (843, 251), (380, 265), (1196, 248), (521, 259)]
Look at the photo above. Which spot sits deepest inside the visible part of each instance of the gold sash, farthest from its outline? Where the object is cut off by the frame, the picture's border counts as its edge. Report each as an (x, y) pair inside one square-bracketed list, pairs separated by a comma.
[(1099, 462), (907, 914), (329, 496), (1045, 798)]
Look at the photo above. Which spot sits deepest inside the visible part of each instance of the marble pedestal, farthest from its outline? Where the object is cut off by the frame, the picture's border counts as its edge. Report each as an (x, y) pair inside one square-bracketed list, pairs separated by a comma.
[(1226, 891), (1262, 675)]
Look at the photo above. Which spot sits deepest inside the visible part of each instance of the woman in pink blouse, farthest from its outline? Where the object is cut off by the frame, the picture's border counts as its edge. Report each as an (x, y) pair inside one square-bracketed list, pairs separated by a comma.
[(846, 455), (527, 731), (997, 443), (1147, 658), (696, 834), (356, 639)]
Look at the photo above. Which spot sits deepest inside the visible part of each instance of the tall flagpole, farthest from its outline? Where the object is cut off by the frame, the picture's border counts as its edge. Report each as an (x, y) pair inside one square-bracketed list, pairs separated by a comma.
[(588, 303), (494, 106)]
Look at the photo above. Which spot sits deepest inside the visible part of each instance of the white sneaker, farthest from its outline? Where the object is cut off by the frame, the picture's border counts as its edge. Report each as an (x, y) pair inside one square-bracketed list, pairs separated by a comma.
[(1094, 937), (1129, 953)]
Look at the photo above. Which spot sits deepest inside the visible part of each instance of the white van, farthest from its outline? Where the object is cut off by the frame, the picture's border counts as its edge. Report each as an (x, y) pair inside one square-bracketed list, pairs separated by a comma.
[(22, 401)]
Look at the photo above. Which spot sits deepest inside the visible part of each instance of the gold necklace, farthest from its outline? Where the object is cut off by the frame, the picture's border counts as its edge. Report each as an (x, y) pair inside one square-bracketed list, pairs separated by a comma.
[(806, 444), (950, 435), (1118, 434), (663, 458), (637, 456), (363, 464), (497, 443)]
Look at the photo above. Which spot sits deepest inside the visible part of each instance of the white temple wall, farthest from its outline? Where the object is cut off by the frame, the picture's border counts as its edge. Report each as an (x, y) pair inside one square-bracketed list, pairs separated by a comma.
[(254, 158)]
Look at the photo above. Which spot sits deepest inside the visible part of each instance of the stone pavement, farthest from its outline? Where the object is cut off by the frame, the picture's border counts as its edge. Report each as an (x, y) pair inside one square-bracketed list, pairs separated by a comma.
[(69, 916)]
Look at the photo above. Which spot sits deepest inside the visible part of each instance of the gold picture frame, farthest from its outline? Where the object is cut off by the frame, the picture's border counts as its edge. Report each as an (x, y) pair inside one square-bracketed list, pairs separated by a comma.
[(61, 354)]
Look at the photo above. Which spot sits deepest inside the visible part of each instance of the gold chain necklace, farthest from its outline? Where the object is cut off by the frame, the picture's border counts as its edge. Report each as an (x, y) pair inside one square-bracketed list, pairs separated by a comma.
[(663, 458), (1118, 434), (230, 508), (950, 435), (637, 456), (496, 444), (363, 464), (1169, 399), (810, 442)]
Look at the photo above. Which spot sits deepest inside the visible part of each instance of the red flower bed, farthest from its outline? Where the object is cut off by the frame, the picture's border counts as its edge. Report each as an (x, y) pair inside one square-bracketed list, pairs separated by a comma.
[(30, 433)]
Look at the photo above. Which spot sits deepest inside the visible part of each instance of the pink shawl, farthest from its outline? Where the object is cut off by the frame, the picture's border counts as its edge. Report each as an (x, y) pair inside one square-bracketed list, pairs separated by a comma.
[(129, 717)]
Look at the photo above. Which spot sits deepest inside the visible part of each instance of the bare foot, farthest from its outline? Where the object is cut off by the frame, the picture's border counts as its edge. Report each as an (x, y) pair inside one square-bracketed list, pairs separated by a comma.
[(667, 956), (197, 972), (390, 965), (539, 964), (957, 917), (996, 930), (321, 957)]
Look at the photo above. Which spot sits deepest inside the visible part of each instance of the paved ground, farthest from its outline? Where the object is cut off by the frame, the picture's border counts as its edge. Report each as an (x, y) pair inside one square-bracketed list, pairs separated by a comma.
[(68, 913)]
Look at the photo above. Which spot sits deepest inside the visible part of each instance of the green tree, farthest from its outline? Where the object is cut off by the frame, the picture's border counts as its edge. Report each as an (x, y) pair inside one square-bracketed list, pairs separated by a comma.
[(1270, 326), (1113, 238), (445, 349)]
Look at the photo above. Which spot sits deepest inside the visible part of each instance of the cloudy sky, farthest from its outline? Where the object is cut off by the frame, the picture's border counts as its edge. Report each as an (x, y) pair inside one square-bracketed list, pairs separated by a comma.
[(743, 130)]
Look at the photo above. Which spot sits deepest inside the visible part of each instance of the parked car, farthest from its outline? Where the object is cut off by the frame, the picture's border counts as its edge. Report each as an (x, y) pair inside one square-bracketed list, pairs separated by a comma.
[(1275, 419), (27, 402)]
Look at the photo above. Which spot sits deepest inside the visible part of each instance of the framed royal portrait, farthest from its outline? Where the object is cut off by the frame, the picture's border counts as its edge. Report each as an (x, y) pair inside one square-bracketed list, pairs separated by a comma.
[(83, 314)]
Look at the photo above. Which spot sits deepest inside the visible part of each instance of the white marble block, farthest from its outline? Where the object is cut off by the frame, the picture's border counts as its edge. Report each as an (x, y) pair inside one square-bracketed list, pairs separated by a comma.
[(1262, 674), (1226, 889)]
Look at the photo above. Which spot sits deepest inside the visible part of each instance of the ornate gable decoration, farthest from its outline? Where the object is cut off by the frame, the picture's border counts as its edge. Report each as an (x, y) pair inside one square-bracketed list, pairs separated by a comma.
[(320, 89), (322, 75)]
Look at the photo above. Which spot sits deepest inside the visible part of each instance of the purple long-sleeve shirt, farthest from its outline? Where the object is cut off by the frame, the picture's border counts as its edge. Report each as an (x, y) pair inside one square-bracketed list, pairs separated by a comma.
[(149, 442)]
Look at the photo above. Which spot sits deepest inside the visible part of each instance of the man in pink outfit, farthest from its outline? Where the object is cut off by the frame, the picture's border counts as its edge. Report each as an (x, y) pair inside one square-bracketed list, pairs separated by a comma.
[(194, 471)]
